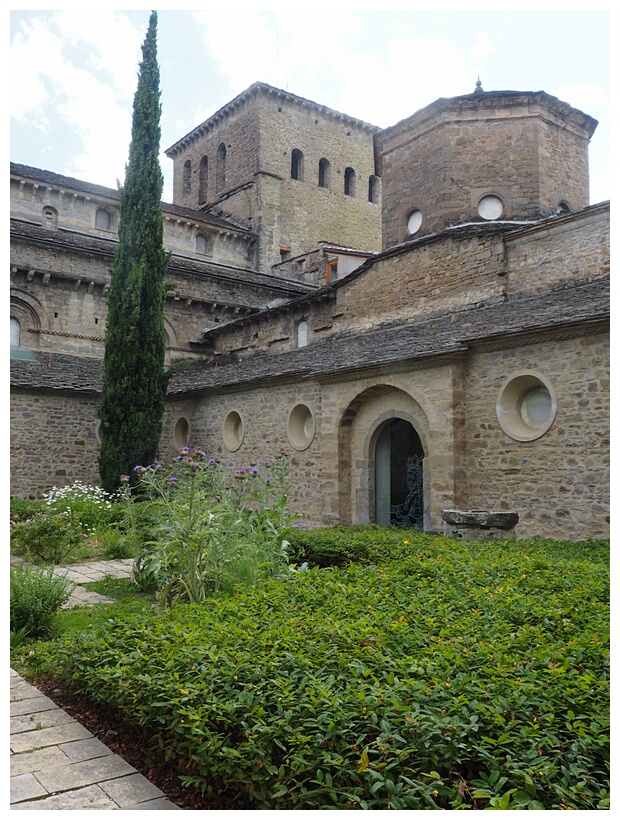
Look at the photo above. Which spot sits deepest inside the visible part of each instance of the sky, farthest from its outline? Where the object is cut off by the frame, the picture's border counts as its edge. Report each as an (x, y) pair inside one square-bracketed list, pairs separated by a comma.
[(77, 70)]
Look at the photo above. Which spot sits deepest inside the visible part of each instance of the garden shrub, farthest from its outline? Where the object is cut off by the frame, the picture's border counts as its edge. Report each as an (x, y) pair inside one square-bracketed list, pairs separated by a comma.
[(36, 595), (46, 537), (454, 675), (22, 508), (336, 546)]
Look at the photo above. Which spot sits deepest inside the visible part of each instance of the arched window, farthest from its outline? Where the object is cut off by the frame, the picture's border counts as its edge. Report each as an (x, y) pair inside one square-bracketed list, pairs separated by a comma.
[(204, 178), (302, 333), (103, 220), (373, 189), (50, 217), (203, 244), (187, 177), (15, 332), (220, 171), (349, 182), (324, 173), (297, 165)]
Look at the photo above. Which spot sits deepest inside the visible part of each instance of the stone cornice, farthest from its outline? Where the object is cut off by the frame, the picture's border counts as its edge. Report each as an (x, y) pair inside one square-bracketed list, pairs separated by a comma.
[(246, 96)]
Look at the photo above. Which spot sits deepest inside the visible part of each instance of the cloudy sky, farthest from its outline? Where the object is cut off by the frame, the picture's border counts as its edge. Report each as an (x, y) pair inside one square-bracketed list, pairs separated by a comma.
[(71, 106)]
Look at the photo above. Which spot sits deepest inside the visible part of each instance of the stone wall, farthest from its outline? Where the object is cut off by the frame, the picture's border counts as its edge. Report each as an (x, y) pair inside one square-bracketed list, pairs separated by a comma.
[(53, 441), (265, 415), (310, 214), (561, 253), (559, 483), (237, 130), (274, 331), (446, 273), (76, 204)]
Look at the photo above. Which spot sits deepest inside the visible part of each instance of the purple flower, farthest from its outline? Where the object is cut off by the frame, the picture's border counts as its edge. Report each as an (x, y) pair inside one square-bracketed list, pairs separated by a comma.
[(172, 478), (137, 467), (180, 458), (194, 469), (124, 478), (211, 461), (255, 470), (184, 450)]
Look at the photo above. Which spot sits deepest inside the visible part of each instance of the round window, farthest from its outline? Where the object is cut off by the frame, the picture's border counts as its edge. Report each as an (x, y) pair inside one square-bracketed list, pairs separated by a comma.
[(490, 207), (301, 427), (180, 434), (414, 221), (233, 431), (526, 406)]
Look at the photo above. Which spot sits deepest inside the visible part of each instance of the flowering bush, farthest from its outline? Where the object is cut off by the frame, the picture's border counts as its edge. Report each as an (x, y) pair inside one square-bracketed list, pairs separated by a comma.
[(48, 537), (89, 506), (213, 530)]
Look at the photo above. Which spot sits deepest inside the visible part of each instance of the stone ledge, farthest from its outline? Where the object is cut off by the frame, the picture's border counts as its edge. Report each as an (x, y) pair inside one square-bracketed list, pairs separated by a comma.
[(481, 519)]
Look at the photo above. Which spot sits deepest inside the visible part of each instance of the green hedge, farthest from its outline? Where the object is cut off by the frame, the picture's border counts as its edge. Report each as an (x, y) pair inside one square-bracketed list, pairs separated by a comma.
[(458, 674)]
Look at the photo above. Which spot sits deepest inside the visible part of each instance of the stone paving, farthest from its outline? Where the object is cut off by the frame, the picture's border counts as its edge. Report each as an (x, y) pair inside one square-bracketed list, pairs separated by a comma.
[(56, 763)]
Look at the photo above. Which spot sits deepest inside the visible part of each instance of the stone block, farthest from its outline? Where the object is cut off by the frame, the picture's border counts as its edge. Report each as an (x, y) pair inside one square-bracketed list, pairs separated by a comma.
[(48, 737), (84, 773), (91, 797), (134, 788), (25, 787)]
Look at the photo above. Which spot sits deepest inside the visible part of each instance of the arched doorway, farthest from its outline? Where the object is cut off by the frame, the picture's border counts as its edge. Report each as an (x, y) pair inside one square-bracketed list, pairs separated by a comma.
[(399, 475)]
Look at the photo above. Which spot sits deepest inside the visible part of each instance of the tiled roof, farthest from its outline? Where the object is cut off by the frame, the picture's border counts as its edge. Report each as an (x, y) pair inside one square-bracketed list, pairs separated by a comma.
[(74, 240), (415, 340), (349, 352), (58, 180)]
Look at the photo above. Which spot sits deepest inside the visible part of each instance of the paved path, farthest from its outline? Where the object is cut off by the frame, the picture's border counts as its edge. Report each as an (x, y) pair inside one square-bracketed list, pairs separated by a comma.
[(56, 763)]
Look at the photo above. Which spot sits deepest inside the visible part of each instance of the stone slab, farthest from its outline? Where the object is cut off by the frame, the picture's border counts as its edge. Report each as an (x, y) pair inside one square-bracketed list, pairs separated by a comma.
[(49, 737), (162, 804), (20, 690), (36, 761), (25, 787), (132, 789), (91, 797), (87, 749), (85, 597), (32, 705), (84, 773), (40, 720)]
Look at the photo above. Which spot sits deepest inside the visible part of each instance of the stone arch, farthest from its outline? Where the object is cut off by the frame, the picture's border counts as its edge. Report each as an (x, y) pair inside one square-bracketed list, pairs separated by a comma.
[(359, 428), (49, 217), (29, 312)]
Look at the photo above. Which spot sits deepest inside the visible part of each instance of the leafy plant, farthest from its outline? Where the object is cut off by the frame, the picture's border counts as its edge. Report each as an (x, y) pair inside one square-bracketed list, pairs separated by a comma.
[(212, 531), (447, 675), (47, 537), (36, 595)]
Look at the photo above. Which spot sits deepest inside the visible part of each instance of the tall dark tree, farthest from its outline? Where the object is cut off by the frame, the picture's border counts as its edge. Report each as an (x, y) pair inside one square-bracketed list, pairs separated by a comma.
[(134, 381)]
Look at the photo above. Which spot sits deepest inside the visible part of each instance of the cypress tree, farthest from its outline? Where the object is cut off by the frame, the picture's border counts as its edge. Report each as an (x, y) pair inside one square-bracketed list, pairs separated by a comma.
[(134, 380)]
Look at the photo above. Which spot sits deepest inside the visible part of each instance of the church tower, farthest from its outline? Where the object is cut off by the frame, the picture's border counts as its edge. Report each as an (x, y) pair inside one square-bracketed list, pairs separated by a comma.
[(496, 155), (295, 172)]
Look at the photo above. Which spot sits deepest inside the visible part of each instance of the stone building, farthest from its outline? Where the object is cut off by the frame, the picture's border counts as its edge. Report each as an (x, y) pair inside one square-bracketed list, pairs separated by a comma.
[(418, 315)]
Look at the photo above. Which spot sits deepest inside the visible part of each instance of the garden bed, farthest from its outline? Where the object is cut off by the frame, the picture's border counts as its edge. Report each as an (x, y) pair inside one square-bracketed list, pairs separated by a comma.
[(428, 673)]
